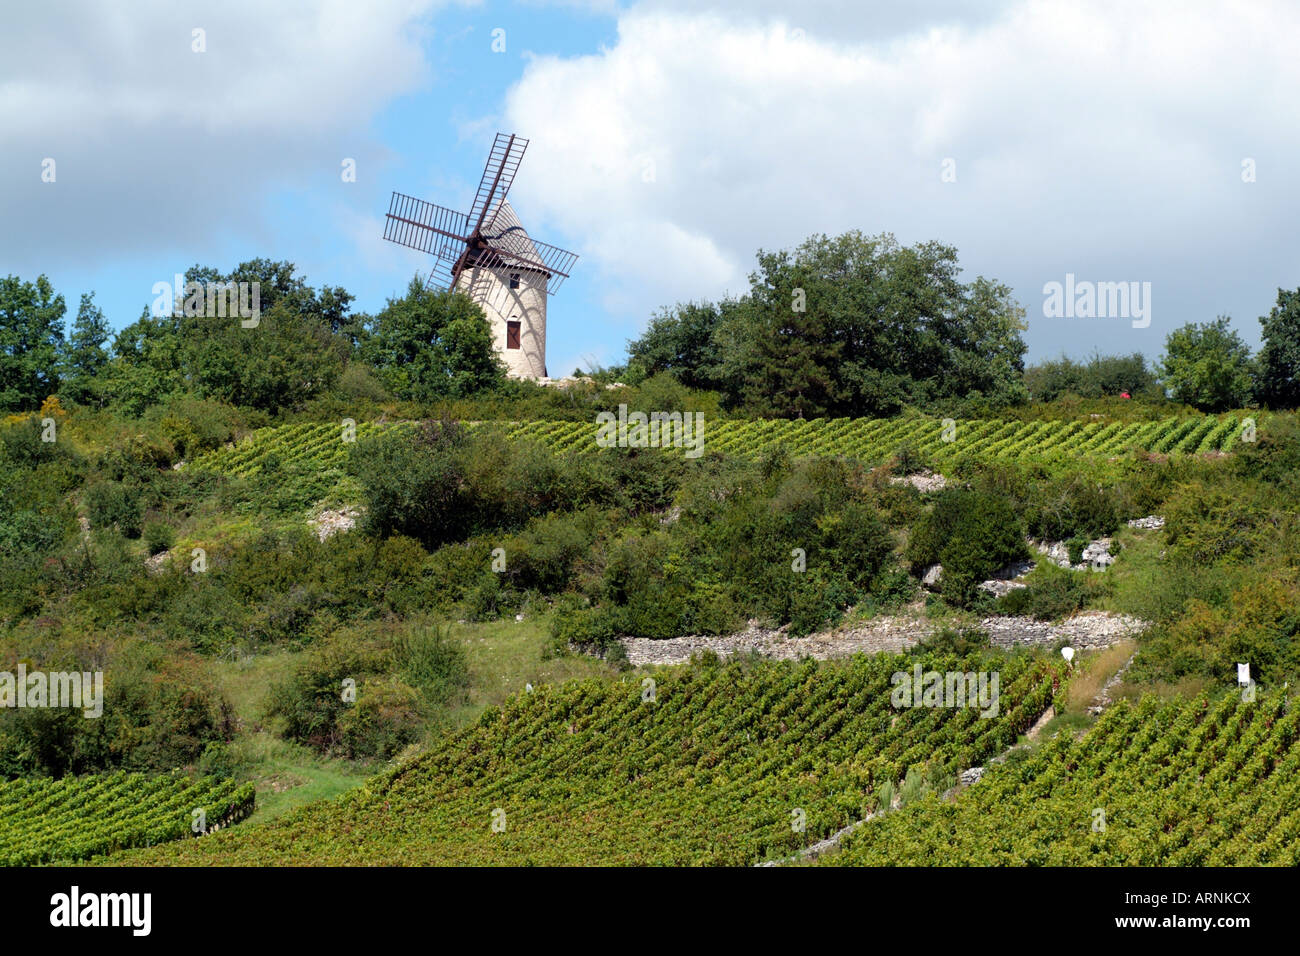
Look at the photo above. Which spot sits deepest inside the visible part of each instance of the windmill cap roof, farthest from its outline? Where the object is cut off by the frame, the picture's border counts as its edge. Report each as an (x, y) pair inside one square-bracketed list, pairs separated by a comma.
[(507, 233)]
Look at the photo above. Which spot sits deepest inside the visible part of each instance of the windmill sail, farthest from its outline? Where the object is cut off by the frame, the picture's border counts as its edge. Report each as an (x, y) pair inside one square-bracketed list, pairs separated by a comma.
[(498, 174), (437, 230)]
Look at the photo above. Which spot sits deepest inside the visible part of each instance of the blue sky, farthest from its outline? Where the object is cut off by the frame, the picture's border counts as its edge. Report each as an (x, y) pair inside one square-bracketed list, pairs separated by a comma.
[(669, 141)]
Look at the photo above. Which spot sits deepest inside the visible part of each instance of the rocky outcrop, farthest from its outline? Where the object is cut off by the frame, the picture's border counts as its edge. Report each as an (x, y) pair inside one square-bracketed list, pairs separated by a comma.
[(923, 481), (1096, 554), (328, 522), (1149, 523)]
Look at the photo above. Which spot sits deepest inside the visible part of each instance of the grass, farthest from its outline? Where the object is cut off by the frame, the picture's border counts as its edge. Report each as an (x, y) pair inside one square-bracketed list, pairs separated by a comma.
[(503, 657), (287, 775), (1092, 670)]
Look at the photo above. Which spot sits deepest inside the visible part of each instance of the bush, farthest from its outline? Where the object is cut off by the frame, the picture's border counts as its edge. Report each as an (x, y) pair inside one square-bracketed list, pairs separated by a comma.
[(158, 537), (112, 504), (972, 534), (1051, 593), (433, 663), (574, 621), (1227, 521), (951, 640), (218, 760), (1073, 507)]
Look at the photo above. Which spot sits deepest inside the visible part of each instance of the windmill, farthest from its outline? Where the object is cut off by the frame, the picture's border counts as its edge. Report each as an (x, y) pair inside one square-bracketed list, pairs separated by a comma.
[(487, 254)]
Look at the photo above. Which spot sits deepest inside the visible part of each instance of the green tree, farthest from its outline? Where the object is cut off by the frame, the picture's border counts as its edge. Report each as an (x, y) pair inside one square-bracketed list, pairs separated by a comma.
[(1100, 376), (681, 341), (147, 363), (433, 344), (849, 325), (1279, 358), (1207, 366), (286, 359), (85, 355), (31, 335), (293, 353)]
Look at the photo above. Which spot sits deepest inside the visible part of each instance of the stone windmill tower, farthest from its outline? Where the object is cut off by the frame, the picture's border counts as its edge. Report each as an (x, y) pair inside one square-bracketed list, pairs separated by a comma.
[(487, 254)]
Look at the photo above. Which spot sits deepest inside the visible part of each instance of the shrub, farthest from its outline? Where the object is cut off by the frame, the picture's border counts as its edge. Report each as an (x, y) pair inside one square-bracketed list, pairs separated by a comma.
[(972, 534), (1073, 507), (575, 621), (112, 504), (218, 760), (1051, 593), (158, 537), (433, 663), (952, 640)]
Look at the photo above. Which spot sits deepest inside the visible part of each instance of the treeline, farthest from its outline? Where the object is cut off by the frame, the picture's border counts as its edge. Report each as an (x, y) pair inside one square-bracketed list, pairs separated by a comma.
[(305, 345), (845, 326), (862, 326)]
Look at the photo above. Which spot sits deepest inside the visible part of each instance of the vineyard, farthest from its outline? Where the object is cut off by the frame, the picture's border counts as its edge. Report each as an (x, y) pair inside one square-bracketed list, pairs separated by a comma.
[(863, 439), (710, 765), (76, 818), (1179, 784)]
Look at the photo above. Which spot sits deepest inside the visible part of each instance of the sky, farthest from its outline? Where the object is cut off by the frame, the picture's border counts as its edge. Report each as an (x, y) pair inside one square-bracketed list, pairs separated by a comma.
[(1150, 143)]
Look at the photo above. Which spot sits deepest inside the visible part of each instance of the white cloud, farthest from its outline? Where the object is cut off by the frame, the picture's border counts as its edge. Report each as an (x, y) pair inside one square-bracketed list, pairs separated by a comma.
[(1097, 135), (141, 126)]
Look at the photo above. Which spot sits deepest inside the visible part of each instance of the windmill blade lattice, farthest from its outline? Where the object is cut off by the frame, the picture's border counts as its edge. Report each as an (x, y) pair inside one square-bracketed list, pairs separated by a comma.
[(437, 230), (498, 174)]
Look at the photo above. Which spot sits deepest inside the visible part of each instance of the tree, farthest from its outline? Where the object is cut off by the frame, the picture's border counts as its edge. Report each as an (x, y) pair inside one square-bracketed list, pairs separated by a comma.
[(31, 335), (146, 365), (849, 325), (1279, 358), (1207, 366), (291, 354), (433, 344), (85, 355), (1100, 376), (682, 341), (286, 359)]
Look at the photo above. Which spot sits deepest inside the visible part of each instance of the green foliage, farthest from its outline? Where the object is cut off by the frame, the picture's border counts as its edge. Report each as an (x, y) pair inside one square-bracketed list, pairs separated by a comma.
[(1098, 377), (952, 640), (681, 342), (1207, 366), (85, 356), (114, 504), (160, 708), (593, 771), (431, 344), (31, 337), (648, 475), (1183, 783), (850, 325), (79, 818), (1073, 509), (158, 537), (1279, 357), (1224, 521), (1051, 593), (972, 534), (432, 663), (361, 695)]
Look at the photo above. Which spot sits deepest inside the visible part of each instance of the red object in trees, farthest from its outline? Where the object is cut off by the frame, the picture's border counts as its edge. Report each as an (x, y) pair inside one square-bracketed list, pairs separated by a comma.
[(1124, 395)]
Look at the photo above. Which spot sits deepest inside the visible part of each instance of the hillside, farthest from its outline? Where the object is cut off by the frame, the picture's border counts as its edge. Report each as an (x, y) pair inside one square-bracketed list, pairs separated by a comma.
[(705, 765), (1184, 783)]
